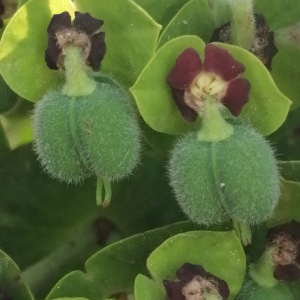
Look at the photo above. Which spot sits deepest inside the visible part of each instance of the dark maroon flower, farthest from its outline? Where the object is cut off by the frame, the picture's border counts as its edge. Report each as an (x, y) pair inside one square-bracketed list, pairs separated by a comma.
[(193, 281), (286, 257), (84, 32), (192, 81)]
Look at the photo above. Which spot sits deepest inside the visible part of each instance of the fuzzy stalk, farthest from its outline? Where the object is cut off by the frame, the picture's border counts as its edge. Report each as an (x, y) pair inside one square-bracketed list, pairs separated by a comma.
[(262, 271), (77, 81), (243, 232), (214, 128), (242, 23)]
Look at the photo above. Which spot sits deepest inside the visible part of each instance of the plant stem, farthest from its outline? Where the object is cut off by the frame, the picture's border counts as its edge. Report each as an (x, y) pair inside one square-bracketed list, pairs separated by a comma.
[(50, 268), (262, 272), (77, 82), (214, 128), (107, 192), (242, 23), (243, 231)]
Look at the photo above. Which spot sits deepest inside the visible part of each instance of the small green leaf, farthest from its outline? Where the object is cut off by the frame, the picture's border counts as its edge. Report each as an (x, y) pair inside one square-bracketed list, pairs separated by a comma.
[(147, 289), (113, 269), (130, 35), (288, 207), (267, 108), (194, 18), (17, 126), (11, 284), (285, 64), (23, 45), (290, 170), (162, 10), (270, 12), (153, 95), (220, 253)]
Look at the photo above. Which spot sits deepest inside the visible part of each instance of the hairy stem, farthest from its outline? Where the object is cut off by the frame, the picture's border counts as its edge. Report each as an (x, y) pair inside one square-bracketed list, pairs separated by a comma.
[(77, 82), (262, 271), (214, 128), (242, 23)]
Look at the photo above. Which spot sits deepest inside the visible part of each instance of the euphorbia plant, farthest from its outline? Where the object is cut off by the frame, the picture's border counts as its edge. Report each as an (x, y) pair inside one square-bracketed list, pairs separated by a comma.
[(191, 83)]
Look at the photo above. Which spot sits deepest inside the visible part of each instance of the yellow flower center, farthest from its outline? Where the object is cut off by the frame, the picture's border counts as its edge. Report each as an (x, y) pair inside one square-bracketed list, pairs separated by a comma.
[(208, 84), (205, 85)]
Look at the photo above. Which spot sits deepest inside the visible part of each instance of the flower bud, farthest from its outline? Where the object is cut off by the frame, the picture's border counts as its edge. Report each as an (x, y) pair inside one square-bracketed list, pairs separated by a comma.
[(236, 178), (53, 141)]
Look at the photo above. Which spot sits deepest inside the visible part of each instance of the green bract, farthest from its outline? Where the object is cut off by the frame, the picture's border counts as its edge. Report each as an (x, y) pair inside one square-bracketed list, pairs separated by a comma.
[(194, 18), (130, 35), (23, 45), (220, 253), (153, 95), (266, 110), (161, 10)]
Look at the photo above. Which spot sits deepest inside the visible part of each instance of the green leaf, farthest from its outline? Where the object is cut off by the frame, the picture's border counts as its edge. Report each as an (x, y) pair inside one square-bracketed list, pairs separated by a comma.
[(153, 95), (130, 35), (267, 108), (114, 268), (286, 37), (270, 12), (162, 10), (287, 138), (17, 125), (220, 253), (23, 45), (194, 18), (290, 170), (147, 289), (285, 64), (288, 207), (11, 284), (50, 213)]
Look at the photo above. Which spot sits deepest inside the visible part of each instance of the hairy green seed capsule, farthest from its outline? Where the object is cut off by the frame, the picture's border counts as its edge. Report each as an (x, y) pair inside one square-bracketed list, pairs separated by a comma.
[(252, 291), (236, 178), (108, 132), (191, 175), (53, 140)]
